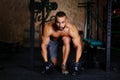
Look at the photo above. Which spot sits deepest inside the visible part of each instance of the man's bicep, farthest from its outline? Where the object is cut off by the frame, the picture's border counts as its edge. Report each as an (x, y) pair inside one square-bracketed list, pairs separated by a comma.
[(46, 34), (76, 38), (76, 41)]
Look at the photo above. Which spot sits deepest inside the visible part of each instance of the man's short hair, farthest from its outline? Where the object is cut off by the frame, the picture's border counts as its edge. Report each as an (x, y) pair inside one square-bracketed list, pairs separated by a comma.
[(60, 14)]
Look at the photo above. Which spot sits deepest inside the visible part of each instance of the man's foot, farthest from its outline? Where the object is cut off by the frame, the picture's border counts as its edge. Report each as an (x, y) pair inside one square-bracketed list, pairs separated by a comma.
[(64, 69), (47, 68), (74, 69)]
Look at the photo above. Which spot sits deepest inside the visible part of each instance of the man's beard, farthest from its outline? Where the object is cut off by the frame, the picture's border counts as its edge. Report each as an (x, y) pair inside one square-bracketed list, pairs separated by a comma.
[(61, 28)]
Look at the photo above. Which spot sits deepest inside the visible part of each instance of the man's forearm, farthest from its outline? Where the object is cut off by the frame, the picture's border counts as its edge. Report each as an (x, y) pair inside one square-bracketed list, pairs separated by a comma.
[(78, 53), (44, 53), (66, 51)]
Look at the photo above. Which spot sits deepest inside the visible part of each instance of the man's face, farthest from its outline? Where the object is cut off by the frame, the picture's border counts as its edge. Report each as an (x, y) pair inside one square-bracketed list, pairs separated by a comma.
[(60, 22)]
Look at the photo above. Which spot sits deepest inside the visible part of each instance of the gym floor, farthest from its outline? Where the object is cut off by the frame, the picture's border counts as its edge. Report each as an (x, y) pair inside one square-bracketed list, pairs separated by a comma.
[(20, 64)]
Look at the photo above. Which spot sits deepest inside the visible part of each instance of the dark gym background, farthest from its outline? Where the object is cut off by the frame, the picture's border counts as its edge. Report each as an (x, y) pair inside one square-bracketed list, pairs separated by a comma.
[(21, 24)]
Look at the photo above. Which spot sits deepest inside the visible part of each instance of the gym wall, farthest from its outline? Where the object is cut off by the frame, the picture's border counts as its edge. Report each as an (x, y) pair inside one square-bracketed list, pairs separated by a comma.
[(15, 19)]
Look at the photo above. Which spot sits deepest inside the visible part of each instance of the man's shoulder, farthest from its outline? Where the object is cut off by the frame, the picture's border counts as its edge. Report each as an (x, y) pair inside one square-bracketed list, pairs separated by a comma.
[(72, 28), (48, 27), (70, 25)]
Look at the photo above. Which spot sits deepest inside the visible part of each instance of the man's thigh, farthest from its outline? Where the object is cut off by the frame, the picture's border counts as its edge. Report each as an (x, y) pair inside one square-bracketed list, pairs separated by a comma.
[(53, 49)]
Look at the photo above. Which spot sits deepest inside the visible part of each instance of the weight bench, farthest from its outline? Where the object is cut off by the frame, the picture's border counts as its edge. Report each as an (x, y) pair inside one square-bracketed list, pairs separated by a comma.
[(92, 50)]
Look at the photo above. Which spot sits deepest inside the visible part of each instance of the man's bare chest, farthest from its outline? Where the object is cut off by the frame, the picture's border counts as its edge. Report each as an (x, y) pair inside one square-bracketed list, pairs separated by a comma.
[(57, 34)]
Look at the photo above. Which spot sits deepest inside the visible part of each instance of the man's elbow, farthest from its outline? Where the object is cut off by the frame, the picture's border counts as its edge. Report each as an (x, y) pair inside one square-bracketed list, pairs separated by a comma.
[(43, 46), (79, 47)]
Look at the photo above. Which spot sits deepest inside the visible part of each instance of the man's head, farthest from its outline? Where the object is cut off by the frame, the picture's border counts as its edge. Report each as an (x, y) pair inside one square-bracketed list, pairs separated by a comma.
[(60, 20)]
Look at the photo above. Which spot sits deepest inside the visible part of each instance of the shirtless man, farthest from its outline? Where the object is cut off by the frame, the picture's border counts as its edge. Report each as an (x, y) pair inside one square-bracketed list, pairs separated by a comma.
[(60, 28)]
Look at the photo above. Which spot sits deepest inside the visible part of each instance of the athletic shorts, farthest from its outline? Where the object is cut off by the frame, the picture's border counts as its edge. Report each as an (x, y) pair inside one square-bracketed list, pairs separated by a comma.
[(53, 49)]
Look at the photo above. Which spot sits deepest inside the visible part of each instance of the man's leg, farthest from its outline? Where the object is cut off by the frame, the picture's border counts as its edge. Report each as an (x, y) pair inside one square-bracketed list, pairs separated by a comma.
[(75, 65), (52, 61), (53, 51), (66, 51)]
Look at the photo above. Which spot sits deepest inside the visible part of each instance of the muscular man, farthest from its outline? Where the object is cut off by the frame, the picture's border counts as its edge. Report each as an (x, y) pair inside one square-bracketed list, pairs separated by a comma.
[(60, 28)]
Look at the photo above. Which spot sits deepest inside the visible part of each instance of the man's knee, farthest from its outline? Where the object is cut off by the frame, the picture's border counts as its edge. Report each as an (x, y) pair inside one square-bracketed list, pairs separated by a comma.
[(66, 40), (54, 60)]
